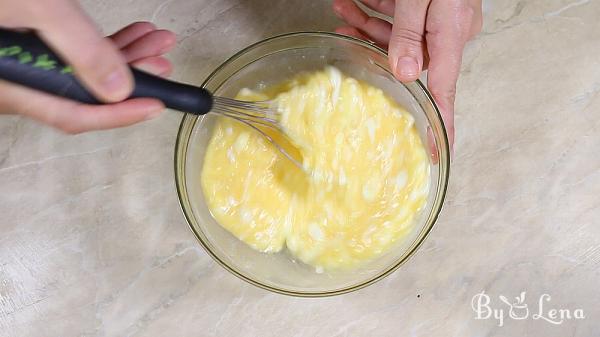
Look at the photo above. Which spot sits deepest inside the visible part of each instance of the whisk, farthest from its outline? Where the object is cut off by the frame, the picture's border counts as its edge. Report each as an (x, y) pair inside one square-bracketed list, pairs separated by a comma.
[(252, 114), (26, 60)]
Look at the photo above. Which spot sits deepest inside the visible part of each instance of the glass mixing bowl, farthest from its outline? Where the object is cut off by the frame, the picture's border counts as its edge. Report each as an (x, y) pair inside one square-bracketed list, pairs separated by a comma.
[(272, 61)]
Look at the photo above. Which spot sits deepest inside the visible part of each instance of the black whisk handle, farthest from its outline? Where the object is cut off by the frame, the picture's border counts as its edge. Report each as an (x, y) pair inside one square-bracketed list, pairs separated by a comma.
[(175, 95), (26, 60)]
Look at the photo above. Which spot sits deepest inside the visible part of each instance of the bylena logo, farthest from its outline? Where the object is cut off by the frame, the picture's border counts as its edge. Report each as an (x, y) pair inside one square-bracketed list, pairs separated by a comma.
[(519, 310)]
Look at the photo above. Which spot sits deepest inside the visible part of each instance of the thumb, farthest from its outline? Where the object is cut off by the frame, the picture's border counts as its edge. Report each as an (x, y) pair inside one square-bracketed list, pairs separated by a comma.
[(96, 61), (407, 42)]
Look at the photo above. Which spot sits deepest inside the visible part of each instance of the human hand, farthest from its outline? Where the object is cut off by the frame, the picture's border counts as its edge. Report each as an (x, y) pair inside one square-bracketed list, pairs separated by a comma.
[(100, 64), (426, 34)]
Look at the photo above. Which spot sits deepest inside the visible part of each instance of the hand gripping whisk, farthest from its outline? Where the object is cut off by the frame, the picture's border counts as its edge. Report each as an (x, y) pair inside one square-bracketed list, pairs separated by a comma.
[(26, 60)]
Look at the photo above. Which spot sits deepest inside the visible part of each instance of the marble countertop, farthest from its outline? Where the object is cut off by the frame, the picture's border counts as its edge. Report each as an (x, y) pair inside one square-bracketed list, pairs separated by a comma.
[(93, 242)]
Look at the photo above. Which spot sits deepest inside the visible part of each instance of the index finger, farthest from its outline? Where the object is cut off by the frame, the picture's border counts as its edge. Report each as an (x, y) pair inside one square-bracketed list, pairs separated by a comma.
[(448, 29)]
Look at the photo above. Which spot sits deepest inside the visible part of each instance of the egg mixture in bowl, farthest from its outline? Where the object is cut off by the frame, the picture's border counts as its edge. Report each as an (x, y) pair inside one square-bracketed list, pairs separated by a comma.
[(368, 192), (365, 173)]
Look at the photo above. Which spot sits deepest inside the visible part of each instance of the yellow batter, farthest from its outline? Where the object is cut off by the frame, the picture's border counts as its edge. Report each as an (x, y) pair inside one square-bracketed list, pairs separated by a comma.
[(365, 177)]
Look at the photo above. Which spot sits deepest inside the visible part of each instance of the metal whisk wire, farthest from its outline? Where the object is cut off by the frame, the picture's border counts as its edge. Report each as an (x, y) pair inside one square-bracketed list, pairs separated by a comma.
[(251, 113)]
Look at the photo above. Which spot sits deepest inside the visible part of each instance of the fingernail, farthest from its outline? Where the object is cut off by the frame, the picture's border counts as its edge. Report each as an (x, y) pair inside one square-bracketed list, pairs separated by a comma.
[(147, 68), (407, 67), (115, 82), (154, 113), (336, 11)]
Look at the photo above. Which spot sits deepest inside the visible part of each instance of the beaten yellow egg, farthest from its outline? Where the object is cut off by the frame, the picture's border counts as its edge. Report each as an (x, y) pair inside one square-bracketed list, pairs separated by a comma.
[(365, 177)]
